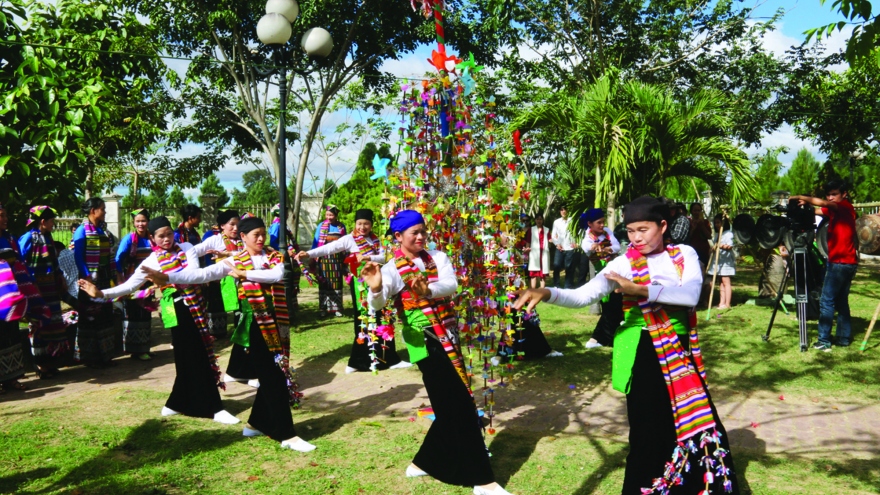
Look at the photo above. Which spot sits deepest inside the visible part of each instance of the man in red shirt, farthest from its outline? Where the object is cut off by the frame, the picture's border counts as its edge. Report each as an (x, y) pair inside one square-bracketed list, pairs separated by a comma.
[(842, 262)]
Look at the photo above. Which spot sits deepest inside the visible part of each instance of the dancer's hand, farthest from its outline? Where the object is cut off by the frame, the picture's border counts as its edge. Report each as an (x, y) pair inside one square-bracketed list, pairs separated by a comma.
[(236, 272), (90, 288), (627, 286), (530, 298), (158, 278), (372, 275), (419, 285), (302, 256)]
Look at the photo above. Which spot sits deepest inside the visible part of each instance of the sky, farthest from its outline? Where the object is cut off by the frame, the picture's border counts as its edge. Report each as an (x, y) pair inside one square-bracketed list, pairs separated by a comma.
[(799, 16)]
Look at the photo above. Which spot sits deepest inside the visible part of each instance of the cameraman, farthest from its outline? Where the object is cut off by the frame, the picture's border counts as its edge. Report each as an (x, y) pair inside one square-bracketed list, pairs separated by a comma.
[(842, 262)]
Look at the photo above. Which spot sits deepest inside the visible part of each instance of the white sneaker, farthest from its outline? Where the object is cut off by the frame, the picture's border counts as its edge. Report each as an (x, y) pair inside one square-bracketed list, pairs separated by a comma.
[(554, 354), (337, 314), (401, 365), (167, 411), (478, 490), (592, 344), (298, 445), (414, 472), (254, 383), (250, 432), (226, 418), (229, 379), (349, 370)]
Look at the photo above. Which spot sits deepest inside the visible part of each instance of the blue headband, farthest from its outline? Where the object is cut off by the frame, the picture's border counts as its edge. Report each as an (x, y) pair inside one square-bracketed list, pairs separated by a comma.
[(594, 214), (405, 219)]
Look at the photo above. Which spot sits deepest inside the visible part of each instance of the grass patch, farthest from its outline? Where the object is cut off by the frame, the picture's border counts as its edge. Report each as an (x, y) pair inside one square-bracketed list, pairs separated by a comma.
[(110, 440)]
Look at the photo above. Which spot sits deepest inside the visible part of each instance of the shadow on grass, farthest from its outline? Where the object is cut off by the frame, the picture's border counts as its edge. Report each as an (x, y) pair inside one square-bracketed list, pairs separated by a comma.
[(354, 410), (13, 482), (152, 443)]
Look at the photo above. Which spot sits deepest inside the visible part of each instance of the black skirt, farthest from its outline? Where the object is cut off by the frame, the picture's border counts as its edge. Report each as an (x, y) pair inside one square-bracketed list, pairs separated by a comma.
[(652, 430), (195, 392), (271, 412), (216, 310), (612, 315), (360, 360), (453, 450), (11, 351), (530, 341), (240, 364)]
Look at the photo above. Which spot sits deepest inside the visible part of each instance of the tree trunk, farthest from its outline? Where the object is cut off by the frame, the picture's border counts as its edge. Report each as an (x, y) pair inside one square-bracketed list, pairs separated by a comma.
[(134, 191), (303, 161), (90, 180), (610, 212)]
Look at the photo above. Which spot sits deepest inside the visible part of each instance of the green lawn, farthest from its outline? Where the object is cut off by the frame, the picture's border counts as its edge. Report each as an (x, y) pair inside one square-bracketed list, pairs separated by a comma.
[(110, 440)]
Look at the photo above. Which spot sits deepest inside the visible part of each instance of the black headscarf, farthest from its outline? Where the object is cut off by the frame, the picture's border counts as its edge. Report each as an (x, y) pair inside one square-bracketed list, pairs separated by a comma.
[(364, 214), (249, 224), (157, 223), (225, 216), (646, 209)]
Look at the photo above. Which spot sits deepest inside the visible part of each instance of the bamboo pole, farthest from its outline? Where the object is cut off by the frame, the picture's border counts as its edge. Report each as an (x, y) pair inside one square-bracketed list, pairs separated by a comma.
[(870, 327), (715, 275)]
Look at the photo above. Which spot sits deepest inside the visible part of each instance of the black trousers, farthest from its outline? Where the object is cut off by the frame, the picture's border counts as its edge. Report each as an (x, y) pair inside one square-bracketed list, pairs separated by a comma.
[(195, 391), (453, 450), (612, 315), (652, 430), (360, 353), (271, 411)]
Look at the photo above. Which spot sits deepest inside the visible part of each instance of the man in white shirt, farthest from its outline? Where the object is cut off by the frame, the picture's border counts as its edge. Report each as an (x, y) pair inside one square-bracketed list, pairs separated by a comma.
[(565, 257)]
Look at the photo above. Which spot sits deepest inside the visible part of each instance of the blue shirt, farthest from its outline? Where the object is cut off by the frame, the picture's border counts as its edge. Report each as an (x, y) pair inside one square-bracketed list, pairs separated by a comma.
[(124, 251), (334, 230), (79, 249), (273, 235), (192, 236), (5, 244), (26, 243)]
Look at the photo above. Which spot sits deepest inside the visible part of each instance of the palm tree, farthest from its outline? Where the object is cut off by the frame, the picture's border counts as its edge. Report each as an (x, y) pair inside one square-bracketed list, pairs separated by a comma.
[(686, 138), (594, 125), (633, 137)]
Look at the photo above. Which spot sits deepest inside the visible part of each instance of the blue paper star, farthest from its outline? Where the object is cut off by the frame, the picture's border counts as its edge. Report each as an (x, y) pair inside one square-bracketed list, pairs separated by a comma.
[(380, 168), (468, 83)]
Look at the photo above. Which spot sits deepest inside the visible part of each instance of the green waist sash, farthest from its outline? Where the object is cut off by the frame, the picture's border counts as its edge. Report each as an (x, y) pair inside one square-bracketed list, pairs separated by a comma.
[(241, 335), (626, 341), (414, 334)]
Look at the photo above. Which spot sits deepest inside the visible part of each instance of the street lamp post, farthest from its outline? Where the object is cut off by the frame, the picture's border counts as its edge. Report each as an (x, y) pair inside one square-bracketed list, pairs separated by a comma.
[(275, 29), (856, 155)]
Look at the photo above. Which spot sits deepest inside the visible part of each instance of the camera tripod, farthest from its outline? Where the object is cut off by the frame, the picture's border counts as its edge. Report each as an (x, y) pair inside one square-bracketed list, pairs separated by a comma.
[(801, 292)]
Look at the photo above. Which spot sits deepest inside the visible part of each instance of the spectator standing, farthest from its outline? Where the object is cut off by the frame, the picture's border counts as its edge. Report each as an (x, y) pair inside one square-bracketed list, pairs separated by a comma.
[(726, 261), (842, 262), (701, 232), (538, 249), (680, 226), (565, 249)]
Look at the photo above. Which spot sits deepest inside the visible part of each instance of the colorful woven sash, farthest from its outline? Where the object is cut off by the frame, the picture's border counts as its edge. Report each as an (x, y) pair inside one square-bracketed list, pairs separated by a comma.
[(365, 248), (137, 254), (691, 410), (604, 242), (36, 310), (275, 328), (325, 229), (187, 235), (97, 248), (42, 257), (175, 260), (232, 245), (439, 311), (13, 303), (12, 242)]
